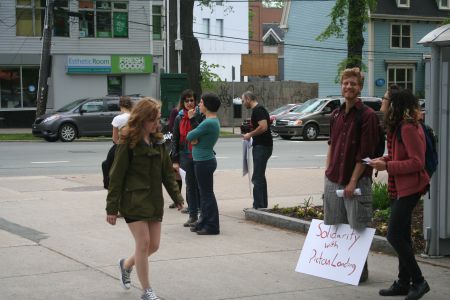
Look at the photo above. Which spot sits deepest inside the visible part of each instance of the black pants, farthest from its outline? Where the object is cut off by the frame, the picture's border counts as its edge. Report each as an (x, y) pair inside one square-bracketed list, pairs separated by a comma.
[(399, 236)]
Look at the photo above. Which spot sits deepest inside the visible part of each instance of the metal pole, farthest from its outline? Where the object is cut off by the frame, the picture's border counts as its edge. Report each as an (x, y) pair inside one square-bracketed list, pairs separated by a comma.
[(178, 35), (168, 36)]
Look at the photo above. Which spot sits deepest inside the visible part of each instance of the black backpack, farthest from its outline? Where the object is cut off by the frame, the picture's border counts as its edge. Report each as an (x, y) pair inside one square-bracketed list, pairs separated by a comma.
[(381, 145), (431, 156), (107, 164)]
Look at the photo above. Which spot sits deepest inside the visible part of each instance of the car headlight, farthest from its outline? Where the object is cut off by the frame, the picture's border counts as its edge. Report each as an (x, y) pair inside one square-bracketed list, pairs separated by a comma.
[(51, 118), (295, 123)]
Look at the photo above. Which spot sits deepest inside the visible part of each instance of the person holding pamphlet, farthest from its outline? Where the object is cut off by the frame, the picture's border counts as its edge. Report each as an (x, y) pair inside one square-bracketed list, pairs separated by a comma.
[(408, 181)]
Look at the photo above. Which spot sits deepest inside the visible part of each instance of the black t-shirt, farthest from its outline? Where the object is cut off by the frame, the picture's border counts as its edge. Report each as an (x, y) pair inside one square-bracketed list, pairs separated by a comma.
[(260, 113)]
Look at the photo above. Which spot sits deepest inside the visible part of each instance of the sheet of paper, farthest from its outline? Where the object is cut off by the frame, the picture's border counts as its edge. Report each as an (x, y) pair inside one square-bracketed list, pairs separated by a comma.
[(183, 176), (335, 252)]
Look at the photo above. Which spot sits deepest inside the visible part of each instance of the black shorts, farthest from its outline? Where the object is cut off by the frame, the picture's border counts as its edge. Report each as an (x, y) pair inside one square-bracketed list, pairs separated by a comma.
[(128, 220)]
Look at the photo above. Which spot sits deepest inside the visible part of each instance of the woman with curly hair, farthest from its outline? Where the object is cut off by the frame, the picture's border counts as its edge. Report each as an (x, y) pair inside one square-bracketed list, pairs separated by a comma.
[(141, 166), (405, 163)]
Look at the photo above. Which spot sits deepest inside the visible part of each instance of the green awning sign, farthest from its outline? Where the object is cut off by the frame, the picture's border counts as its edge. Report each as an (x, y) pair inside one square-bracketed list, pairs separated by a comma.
[(132, 64)]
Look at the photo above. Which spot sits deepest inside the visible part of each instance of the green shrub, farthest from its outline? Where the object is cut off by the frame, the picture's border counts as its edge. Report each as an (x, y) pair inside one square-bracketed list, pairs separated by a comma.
[(380, 196)]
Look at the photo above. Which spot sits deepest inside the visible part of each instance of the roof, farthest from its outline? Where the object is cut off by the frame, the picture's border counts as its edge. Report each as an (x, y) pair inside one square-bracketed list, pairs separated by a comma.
[(275, 29), (423, 9), (439, 36)]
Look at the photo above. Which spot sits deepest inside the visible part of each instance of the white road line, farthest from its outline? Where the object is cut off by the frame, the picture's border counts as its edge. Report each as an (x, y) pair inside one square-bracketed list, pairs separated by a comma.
[(50, 162), (320, 155), (222, 157)]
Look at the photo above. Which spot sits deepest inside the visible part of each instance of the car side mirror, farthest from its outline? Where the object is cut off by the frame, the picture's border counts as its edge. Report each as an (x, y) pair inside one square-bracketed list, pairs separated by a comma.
[(82, 111)]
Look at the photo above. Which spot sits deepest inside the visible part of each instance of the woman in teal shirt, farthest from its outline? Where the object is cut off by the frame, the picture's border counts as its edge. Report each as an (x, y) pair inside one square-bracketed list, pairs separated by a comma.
[(203, 138)]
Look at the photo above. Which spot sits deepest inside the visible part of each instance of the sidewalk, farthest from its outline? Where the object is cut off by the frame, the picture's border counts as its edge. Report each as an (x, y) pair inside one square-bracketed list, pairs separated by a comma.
[(55, 244)]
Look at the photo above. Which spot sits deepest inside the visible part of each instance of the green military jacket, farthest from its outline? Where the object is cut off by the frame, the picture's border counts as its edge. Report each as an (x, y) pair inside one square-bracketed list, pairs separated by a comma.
[(135, 186)]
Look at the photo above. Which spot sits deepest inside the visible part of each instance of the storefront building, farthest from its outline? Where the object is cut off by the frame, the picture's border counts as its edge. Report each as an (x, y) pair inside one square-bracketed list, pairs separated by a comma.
[(98, 48)]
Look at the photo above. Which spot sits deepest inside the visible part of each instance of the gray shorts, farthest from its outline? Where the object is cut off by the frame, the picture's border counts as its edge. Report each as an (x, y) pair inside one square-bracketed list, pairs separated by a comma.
[(356, 211)]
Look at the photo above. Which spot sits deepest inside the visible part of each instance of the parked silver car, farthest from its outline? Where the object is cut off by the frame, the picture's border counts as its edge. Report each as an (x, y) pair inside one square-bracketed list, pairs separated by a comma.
[(313, 117), (83, 117)]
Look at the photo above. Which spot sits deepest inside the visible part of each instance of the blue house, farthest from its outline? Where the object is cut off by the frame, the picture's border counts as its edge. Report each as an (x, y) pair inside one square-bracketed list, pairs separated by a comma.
[(390, 52), (395, 28)]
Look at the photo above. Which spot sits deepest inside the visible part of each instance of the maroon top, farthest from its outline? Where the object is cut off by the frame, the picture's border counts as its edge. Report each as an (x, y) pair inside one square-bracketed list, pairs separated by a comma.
[(346, 148), (407, 165)]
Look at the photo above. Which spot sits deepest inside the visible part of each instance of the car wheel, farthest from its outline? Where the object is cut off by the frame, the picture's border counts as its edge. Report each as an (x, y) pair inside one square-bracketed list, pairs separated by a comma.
[(310, 132), (67, 132), (286, 137), (51, 139)]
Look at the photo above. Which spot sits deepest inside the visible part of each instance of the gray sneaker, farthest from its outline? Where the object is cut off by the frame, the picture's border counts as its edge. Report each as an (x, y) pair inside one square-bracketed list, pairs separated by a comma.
[(149, 294), (125, 275)]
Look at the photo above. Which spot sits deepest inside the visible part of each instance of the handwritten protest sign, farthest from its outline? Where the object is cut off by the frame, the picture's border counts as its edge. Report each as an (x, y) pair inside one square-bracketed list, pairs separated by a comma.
[(335, 252)]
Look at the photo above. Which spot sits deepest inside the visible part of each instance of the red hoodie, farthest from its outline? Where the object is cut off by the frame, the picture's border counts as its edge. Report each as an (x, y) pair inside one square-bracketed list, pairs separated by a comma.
[(408, 161)]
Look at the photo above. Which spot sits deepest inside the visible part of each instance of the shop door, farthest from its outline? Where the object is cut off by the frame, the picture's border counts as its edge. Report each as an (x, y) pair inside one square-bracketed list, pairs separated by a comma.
[(171, 87), (115, 85)]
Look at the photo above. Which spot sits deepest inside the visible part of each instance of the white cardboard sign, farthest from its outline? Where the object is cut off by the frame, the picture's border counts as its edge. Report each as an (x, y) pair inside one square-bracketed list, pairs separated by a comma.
[(335, 252)]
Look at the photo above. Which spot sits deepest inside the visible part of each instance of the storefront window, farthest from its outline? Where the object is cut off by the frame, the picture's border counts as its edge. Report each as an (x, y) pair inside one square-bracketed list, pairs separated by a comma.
[(103, 19), (18, 86), (30, 77)]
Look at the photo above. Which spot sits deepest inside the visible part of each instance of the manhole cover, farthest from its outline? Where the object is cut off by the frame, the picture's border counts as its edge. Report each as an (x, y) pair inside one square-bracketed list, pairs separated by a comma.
[(84, 188)]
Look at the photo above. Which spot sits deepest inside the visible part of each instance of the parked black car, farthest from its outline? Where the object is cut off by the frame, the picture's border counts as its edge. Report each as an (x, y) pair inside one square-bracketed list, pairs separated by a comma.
[(313, 117), (83, 117)]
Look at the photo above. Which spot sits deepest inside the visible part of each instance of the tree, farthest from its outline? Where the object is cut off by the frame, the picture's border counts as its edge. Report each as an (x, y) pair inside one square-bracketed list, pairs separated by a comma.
[(208, 77), (353, 15), (191, 55), (273, 3)]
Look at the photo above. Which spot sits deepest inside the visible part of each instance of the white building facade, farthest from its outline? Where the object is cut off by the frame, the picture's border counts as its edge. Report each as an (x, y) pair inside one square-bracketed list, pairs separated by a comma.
[(222, 32), (98, 48)]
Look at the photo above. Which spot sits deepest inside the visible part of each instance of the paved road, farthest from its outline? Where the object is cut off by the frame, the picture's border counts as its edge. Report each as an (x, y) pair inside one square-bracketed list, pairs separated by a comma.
[(42, 158)]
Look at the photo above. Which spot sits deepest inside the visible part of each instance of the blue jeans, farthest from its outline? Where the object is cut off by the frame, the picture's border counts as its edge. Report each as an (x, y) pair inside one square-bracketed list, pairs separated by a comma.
[(209, 216), (192, 193), (261, 155)]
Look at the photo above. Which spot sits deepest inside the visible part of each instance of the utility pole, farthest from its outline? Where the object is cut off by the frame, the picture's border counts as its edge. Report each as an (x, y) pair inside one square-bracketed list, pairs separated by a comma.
[(42, 92), (178, 42)]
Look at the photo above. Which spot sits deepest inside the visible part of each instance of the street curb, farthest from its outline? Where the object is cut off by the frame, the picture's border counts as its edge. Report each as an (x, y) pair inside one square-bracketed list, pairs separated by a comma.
[(379, 243)]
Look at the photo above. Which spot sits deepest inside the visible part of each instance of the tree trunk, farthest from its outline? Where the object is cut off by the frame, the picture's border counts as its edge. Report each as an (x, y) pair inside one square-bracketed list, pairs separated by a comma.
[(190, 55), (355, 39)]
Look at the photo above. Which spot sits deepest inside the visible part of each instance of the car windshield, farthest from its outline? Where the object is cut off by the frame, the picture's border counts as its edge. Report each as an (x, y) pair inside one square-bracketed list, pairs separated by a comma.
[(310, 105), (281, 109), (71, 105)]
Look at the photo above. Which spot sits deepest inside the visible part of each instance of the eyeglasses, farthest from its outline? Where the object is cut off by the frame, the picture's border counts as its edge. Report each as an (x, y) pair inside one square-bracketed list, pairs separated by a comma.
[(189, 100), (387, 99)]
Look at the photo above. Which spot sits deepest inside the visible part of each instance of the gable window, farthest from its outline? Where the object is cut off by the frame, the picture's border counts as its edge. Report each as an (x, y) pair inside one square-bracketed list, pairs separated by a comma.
[(403, 3), (103, 19), (444, 4), (400, 36), (401, 75), (157, 22)]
